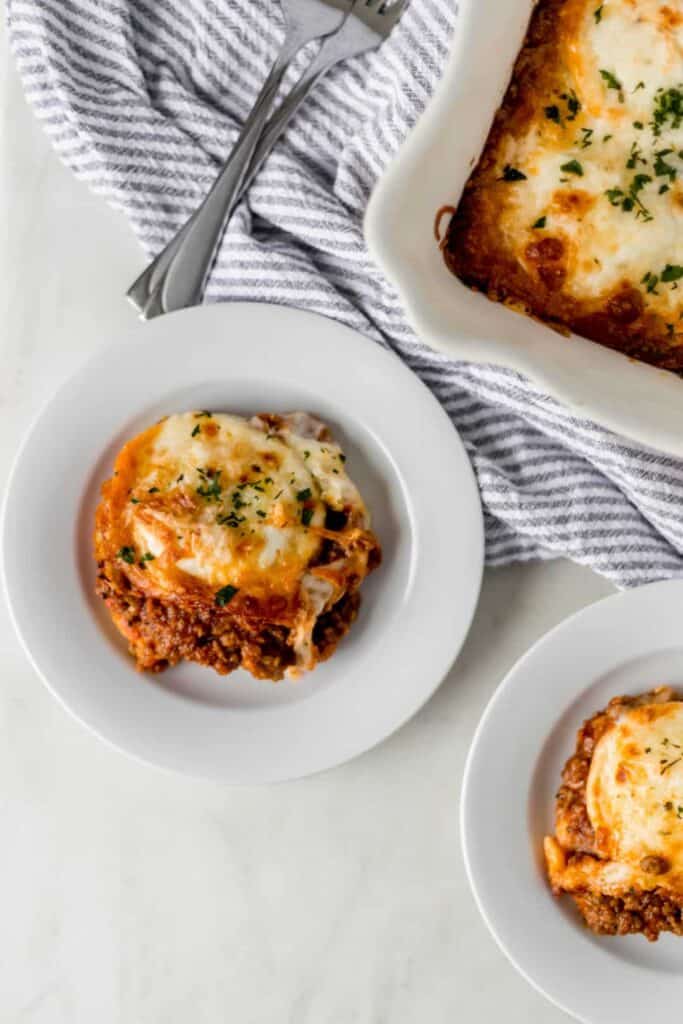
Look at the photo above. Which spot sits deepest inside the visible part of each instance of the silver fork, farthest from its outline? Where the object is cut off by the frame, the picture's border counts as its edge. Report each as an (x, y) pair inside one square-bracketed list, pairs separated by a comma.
[(305, 20), (185, 263)]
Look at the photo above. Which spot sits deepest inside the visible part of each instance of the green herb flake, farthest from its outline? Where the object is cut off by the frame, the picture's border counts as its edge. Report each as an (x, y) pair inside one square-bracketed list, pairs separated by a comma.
[(153, 490), (539, 224), (230, 519), (512, 174), (671, 273), (225, 595), (612, 82), (135, 501), (210, 488), (572, 167), (597, 14), (553, 113), (306, 516), (199, 415), (148, 557), (195, 431), (303, 495), (668, 110), (573, 104), (126, 554)]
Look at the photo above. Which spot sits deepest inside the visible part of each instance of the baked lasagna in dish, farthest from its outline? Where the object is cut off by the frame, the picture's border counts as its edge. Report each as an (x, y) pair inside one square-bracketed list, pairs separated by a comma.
[(574, 213), (233, 543), (618, 843)]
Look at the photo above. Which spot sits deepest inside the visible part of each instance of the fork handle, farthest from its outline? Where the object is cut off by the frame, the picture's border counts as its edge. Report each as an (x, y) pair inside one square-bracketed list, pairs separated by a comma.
[(198, 237), (162, 285)]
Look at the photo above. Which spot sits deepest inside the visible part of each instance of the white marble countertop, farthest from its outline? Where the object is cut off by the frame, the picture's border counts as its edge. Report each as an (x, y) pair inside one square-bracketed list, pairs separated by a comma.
[(134, 897)]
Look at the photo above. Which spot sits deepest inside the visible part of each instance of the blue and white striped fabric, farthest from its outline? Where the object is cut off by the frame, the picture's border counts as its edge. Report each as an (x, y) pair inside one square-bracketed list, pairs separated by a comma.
[(143, 99)]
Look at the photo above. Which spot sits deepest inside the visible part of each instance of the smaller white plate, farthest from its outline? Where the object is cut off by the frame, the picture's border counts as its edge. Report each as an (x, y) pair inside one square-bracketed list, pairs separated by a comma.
[(403, 453), (625, 644)]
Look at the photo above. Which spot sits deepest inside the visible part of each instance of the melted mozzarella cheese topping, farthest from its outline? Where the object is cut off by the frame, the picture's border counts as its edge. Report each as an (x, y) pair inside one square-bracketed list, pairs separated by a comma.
[(223, 501), (634, 796), (604, 160)]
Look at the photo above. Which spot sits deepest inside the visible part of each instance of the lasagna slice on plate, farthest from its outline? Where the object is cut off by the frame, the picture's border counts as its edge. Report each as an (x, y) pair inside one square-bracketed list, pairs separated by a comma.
[(233, 543), (618, 843)]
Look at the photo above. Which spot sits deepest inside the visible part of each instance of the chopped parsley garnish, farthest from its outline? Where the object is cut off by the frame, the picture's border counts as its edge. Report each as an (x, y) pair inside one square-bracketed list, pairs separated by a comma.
[(153, 490), (230, 519), (635, 157), (225, 595), (303, 495), (538, 224), (669, 764), (612, 82), (587, 139), (662, 168), (631, 200), (573, 104), (307, 455), (651, 281), (195, 431), (198, 415), (572, 167), (260, 513), (512, 174), (148, 557), (210, 488), (126, 554), (179, 478), (597, 14), (135, 501), (306, 516), (671, 273), (668, 109), (553, 113)]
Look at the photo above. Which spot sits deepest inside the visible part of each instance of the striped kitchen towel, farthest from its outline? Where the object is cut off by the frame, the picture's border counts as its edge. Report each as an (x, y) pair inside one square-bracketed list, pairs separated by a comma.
[(143, 99)]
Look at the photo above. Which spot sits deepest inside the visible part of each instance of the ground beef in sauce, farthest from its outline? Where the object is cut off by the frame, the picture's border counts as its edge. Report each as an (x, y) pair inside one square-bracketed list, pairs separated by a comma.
[(649, 913), (163, 633)]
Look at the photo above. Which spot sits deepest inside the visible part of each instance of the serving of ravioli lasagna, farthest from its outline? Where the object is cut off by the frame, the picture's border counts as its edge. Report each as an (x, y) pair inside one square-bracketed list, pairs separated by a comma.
[(574, 214), (233, 543), (618, 843)]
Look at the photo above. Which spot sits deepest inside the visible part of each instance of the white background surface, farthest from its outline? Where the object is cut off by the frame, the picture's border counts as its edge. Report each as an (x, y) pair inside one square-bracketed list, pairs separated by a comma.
[(130, 896)]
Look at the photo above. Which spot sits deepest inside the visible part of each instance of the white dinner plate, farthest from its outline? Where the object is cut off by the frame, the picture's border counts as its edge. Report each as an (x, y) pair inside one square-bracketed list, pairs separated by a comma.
[(626, 644), (403, 453), (430, 170)]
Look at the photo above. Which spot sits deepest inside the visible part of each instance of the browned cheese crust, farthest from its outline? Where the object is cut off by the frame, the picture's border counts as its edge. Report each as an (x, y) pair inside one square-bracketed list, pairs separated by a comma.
[(531, 273), (648, 913)]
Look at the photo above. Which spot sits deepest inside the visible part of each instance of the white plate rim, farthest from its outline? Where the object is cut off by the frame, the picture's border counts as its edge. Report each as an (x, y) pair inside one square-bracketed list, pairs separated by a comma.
[(610, 999), (371, 353)]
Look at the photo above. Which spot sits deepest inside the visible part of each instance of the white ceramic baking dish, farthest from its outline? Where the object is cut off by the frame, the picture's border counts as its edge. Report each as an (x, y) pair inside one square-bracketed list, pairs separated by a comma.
[(431, 169)]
